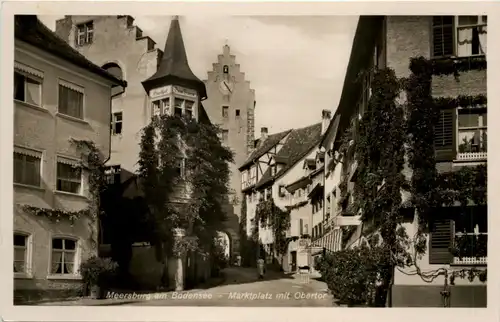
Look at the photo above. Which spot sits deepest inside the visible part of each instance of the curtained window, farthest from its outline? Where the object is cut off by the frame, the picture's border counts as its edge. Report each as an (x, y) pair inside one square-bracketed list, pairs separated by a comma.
[(27, 169), (27, 89), (69, 177), (63, 256), (70, 102), (471, 35)]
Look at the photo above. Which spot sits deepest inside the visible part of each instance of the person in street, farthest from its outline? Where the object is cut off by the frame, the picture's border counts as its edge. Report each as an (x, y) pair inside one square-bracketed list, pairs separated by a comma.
[(260, 268)]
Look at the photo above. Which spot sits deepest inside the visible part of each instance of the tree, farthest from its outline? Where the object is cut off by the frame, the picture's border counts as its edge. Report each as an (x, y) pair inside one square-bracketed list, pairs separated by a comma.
[(184, 171)]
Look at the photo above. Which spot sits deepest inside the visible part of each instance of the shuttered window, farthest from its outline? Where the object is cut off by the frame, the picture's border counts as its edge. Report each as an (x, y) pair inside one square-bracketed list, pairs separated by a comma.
[(444, 135), (442, 36), (441, 236)]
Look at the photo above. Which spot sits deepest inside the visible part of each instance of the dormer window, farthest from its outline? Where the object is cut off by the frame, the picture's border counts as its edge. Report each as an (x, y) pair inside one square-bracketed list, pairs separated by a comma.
[(85, 33)]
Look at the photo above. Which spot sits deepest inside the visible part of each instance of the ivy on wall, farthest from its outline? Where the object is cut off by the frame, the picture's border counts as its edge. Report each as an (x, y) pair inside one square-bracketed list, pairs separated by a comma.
[(387, 134), (268, 214), (182, 159), (92, 162)]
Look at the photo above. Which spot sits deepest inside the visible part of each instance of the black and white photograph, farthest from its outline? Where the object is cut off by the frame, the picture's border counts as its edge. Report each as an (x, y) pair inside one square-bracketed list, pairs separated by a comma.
[(192, 160)]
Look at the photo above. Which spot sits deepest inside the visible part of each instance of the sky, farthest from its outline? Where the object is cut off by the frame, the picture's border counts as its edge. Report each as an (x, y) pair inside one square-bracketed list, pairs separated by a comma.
[(295, 64)]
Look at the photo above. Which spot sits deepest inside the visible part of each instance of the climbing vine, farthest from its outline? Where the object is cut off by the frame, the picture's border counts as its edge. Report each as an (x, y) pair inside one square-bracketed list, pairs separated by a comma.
[(185, 173), (387, 134), (268, 214), (92, 162)]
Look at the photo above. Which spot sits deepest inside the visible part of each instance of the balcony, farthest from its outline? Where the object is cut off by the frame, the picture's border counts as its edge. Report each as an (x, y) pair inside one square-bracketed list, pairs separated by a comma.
[(470, 249), (347, 220), (473, 145)]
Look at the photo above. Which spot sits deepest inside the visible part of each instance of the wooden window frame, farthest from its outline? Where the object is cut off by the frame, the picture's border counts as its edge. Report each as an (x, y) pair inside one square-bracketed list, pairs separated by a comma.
[(25, 78), (87, 31), (115, 122), (68, 163), (455, 26), (35, 154), (481, 127), (71, 88), (76, 252), (28, 254)]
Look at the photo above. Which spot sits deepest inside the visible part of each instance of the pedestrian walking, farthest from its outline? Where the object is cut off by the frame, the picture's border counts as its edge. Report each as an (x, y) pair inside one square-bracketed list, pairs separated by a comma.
[(260, 268)]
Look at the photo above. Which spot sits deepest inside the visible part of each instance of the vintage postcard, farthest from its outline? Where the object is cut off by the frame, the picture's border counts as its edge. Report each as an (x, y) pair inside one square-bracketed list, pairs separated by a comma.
[(180, 155)]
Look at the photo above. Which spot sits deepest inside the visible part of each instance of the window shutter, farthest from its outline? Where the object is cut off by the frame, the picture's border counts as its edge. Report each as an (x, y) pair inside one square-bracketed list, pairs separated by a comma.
[(444, 135), (441, 237), (301, 224), (442, 36)]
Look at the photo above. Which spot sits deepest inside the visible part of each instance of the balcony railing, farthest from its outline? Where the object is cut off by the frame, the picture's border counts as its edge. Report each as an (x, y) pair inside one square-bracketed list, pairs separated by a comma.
[(470, 248), (473, 145), (347, 220)]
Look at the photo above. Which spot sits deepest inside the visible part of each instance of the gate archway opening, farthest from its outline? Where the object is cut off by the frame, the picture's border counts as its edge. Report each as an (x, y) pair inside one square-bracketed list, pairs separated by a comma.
[(225, 241)]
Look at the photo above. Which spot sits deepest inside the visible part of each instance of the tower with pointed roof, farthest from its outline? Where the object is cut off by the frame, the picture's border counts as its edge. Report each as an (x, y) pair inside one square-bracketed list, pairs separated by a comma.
[(174, 89), (231, 104)]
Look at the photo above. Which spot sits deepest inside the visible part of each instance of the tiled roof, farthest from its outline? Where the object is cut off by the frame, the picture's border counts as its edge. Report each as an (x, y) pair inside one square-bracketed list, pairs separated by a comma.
[(298, 145), (267, 145), (29, 29)]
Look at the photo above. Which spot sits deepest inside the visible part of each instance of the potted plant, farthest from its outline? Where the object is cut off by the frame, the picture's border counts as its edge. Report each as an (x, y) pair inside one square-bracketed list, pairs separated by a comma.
[(97, 273)]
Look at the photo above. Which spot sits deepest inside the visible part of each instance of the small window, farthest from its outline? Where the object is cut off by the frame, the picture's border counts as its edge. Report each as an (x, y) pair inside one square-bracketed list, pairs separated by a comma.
[(64, 259), (70, 102), (225, 136), (117, 123), (188, 109), (20, 253), (27, 169), (181, 167), (112, 174), (237, 113), (156, 108), (225, 111), (442, 36), (282, 193), (165, 106), (178, 103), (69, 178), (85, 33), (225, 69), (27, 89)]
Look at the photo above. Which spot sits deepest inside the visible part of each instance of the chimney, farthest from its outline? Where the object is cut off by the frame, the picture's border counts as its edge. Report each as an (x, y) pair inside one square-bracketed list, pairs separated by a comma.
[(326, 116), (263, 134)]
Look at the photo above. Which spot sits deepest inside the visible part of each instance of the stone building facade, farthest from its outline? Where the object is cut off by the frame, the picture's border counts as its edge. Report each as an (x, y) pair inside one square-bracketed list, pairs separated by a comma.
[(58, 95)]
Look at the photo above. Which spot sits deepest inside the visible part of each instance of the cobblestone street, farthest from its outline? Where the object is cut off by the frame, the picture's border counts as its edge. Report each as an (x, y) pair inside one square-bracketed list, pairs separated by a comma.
[(240, 288)]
